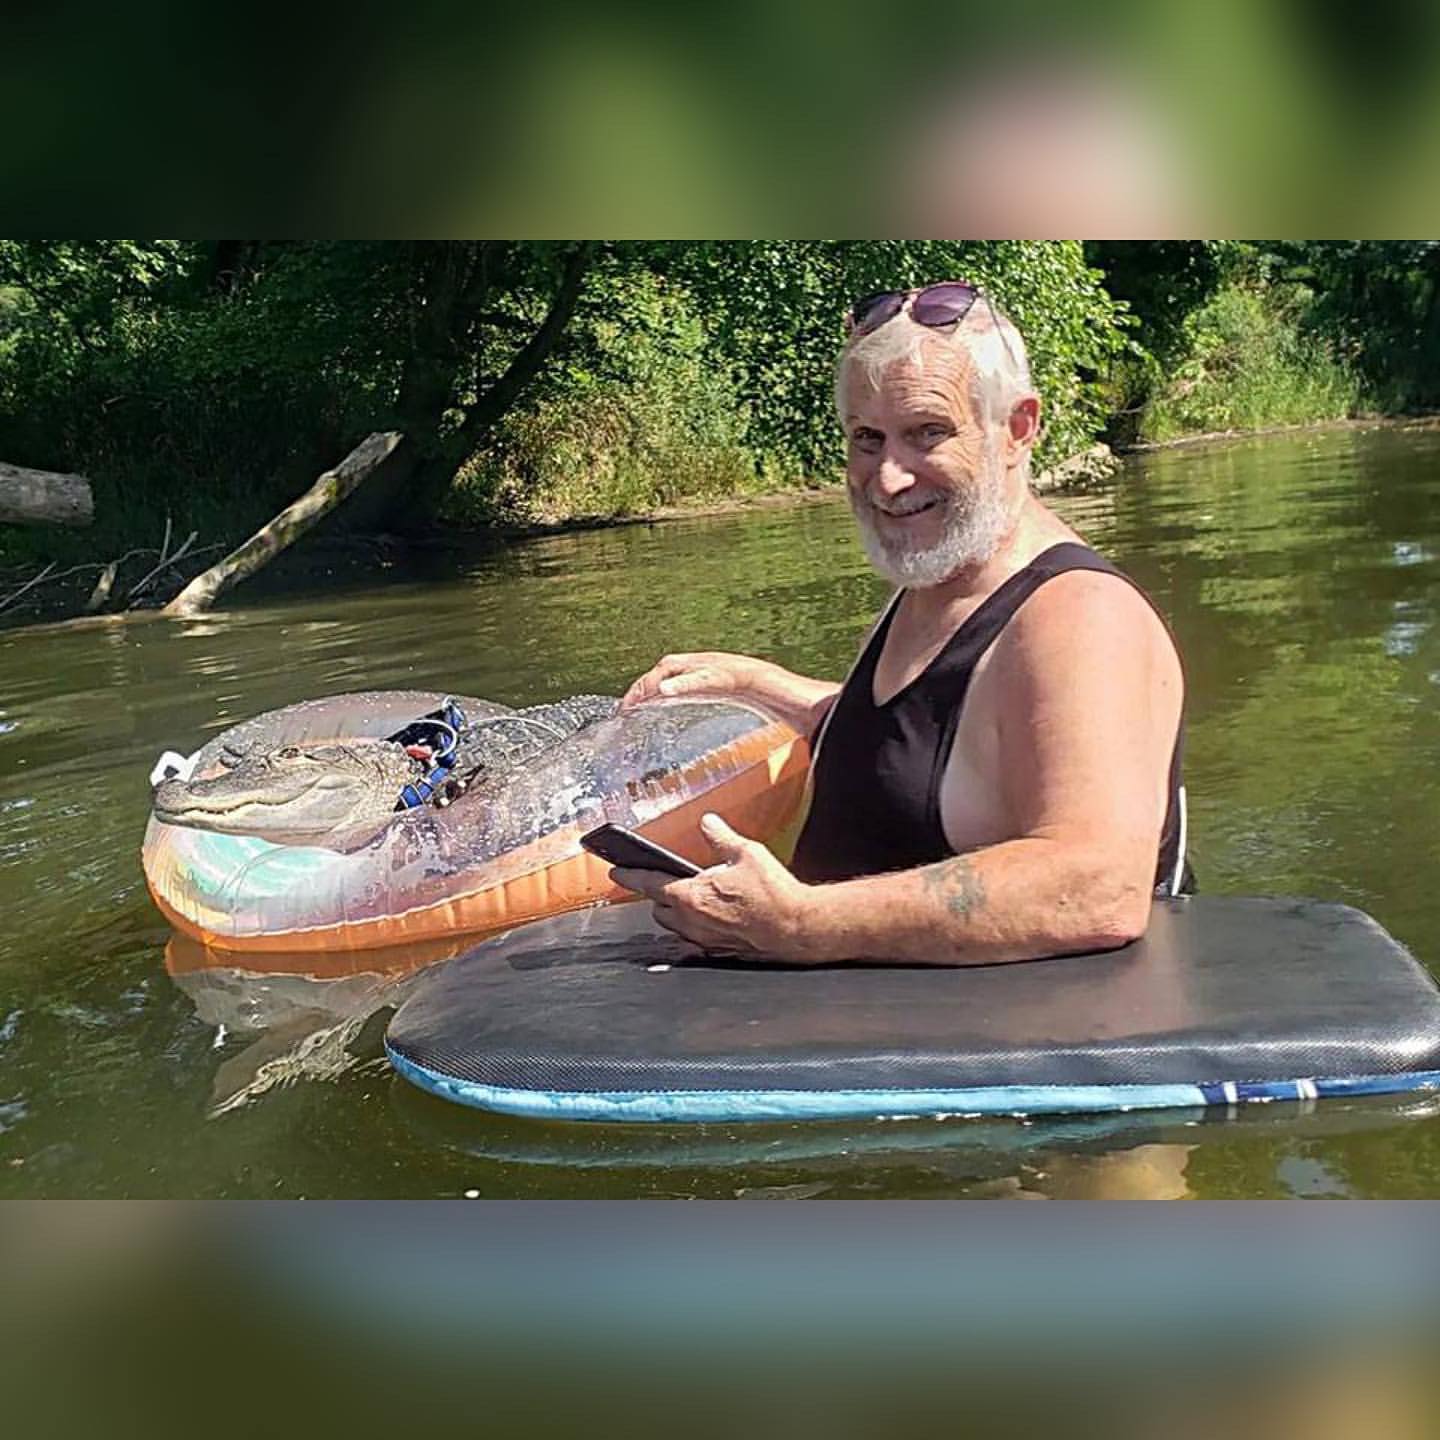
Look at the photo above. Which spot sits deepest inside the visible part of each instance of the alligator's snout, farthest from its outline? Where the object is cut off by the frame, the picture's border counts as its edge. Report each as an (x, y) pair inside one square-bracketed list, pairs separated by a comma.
[(170, 798), (293, 795)]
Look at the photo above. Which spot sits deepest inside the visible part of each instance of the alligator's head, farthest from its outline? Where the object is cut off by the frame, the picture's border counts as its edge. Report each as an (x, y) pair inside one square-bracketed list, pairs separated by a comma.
[(298, 795)]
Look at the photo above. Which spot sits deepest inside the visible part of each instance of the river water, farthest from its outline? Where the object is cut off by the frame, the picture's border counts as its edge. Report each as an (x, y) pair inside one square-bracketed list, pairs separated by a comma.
[(1301, 574)]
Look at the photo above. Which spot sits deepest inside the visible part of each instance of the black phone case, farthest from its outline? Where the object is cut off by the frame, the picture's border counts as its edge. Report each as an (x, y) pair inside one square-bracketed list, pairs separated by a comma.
[(634, 852)]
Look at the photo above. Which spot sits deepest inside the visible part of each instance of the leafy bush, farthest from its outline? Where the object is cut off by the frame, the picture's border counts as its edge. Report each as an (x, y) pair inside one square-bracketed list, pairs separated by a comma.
[(638, 415), (1247, 362)]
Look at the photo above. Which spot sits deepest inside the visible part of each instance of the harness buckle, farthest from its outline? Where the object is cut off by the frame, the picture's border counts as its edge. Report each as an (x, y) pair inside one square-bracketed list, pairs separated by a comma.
[(432, 739)]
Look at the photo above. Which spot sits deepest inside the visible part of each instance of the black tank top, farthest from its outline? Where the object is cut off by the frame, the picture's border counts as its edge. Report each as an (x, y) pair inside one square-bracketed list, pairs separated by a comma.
[(875, 802)]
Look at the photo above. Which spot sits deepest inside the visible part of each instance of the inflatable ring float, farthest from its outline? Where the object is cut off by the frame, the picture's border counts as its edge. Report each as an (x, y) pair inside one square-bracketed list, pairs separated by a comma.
[(504, 852)]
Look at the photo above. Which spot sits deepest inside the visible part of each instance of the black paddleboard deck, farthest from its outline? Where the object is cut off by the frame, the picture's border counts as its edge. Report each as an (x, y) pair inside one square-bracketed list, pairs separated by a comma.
[(602, 1015)]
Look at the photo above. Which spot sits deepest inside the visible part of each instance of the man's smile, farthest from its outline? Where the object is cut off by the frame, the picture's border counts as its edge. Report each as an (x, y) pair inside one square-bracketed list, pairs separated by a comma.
[(906, 511)]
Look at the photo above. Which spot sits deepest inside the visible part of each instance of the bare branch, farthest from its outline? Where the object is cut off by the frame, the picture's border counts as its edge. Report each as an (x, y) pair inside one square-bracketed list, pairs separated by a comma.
[(165, 561), (29, 585), (103, 586)]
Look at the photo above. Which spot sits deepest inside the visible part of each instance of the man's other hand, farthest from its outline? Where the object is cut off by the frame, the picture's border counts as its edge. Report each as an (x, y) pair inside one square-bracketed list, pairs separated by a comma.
[(747, 903)]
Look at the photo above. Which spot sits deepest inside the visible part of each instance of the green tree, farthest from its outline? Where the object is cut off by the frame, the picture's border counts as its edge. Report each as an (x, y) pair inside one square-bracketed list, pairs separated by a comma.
[(1162, 281), (1379, 301), (775, 309), (211, 382)]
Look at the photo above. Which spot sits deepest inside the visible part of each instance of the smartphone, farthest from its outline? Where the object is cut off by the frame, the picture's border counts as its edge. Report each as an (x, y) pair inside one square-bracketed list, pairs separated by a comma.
[(624, 847)]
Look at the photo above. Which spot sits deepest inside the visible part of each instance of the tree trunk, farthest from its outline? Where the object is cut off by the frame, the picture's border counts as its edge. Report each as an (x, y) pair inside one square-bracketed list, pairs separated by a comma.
[(493, 404), (368, 457), (412, 507), (43, 497)]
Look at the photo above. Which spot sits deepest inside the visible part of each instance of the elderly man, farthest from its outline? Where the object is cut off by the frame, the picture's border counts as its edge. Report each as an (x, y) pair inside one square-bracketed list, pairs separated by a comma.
[(998, 777)]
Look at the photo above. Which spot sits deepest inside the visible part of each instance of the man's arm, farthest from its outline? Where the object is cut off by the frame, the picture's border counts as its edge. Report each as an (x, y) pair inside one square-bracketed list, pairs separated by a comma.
[(1084, 687), (1019, 900)]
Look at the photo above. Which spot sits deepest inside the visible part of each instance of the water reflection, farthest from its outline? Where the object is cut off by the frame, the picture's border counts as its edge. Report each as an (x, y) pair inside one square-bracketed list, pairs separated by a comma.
[(281, 1019), (1142, 1155)]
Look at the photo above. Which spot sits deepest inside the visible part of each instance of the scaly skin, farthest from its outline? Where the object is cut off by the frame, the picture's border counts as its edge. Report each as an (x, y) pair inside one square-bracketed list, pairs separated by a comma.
[(347, 789)]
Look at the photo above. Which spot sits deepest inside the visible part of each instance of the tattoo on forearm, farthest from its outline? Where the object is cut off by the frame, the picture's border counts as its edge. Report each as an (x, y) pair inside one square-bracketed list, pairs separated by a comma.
[(958, 884)]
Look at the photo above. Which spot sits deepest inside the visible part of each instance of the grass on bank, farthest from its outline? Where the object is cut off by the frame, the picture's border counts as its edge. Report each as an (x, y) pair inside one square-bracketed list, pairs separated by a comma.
[(612, 450), (1248, 364)]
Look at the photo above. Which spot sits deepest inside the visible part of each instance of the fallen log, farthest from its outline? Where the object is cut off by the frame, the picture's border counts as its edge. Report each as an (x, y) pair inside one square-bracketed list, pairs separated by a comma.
[(43, 497), (289, 525)]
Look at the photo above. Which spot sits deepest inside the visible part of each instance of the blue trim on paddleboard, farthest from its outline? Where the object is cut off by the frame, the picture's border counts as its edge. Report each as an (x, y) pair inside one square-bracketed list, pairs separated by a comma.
[(688, 1106)]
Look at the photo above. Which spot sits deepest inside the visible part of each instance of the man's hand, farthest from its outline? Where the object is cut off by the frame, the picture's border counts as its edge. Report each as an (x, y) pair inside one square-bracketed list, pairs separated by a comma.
[(748, 903), (716, 675), (706, 675)]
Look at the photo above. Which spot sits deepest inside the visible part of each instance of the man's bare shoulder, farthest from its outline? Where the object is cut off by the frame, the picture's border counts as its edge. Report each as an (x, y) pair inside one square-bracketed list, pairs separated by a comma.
[(1089, 619)]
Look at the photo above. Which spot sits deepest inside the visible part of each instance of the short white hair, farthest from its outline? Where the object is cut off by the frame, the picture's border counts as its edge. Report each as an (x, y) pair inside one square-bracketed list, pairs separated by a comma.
[(999, 366)]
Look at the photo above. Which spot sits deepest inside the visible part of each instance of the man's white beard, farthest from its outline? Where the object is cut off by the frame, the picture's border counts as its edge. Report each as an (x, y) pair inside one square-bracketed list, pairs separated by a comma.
[(971, 535)]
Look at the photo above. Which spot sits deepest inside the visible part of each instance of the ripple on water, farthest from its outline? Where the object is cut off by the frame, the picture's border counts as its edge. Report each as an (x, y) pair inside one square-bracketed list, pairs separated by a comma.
[(1410, 552), (1404, 637)]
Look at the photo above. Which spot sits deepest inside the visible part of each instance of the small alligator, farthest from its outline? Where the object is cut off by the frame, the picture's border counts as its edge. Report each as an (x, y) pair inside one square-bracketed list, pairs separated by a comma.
[(344, 790)]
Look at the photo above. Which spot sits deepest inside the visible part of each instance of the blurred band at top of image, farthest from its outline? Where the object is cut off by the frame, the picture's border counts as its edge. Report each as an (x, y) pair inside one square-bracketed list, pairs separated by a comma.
[(942, 120)]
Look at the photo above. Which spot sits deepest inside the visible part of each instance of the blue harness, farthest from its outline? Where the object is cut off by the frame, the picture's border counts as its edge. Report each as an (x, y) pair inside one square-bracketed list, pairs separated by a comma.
[(439, 733)]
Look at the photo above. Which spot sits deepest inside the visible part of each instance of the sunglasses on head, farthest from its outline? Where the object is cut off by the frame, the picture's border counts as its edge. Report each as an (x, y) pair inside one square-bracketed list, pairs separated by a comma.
[(947, 303)]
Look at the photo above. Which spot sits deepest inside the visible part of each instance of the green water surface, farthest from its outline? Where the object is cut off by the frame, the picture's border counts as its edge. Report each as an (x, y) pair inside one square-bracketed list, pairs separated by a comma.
[(1301, 574)]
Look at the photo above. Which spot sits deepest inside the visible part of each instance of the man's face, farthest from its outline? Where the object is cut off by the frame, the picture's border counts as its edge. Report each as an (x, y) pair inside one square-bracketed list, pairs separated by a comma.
[(927, 483)]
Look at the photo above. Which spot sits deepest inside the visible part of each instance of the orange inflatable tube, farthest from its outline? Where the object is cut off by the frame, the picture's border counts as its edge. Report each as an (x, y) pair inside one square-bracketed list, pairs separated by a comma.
[(507, 851)]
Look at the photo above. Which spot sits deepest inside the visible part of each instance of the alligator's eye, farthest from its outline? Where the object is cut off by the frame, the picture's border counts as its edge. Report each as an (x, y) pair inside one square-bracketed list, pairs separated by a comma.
[(290, 752)]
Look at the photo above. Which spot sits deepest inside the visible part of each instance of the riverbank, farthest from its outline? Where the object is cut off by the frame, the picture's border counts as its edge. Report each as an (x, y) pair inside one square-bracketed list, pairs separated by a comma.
[(1428, 421), (1094, 465), (820, 492), (332, 557)]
